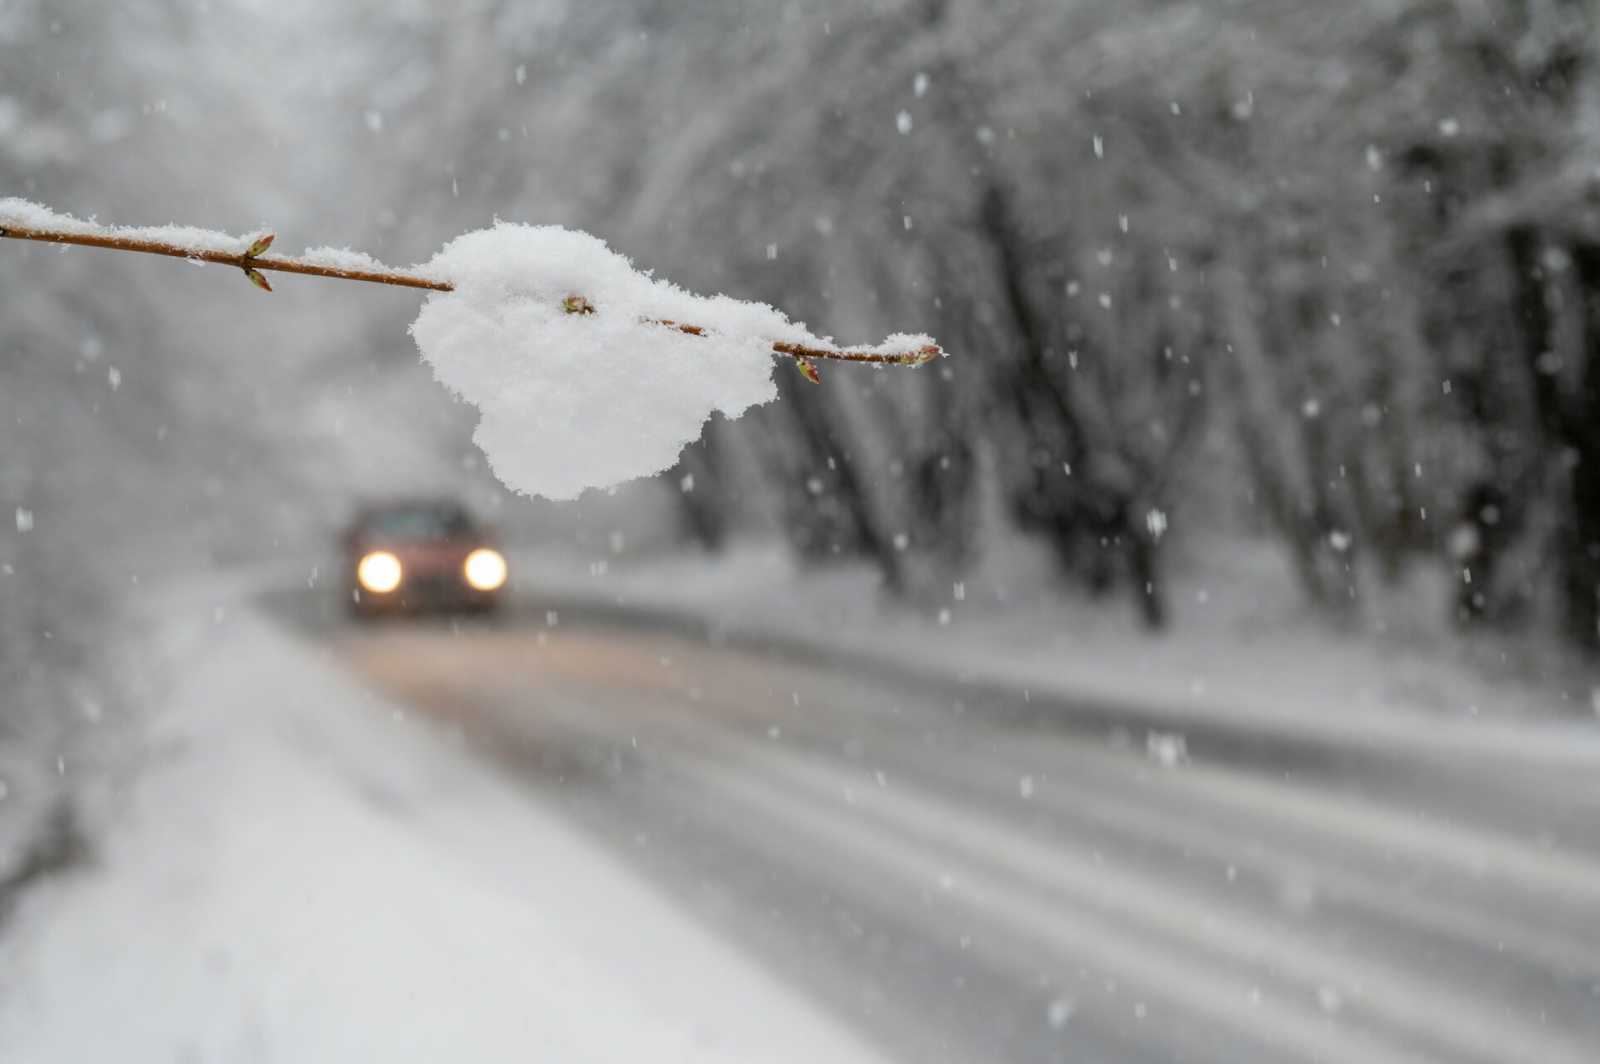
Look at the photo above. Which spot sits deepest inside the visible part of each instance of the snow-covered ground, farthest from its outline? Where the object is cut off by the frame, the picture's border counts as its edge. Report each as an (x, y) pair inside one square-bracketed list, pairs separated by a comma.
[(1243, 652), (289, 867), (299, 871)]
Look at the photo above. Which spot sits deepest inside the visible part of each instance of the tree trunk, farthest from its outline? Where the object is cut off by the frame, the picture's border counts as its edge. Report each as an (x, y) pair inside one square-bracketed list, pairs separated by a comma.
[(1583, 549), (702, 497)]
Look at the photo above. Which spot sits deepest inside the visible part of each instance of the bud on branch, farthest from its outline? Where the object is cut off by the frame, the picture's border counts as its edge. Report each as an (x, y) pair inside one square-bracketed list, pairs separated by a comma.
[(254, 260)]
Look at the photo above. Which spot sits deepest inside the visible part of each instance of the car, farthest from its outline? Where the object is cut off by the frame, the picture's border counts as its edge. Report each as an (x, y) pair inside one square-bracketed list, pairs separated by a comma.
[(422, 555)]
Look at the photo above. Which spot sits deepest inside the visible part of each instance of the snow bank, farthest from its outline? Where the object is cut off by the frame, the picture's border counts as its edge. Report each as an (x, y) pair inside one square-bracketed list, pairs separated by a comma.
[(572, 401), (22, 214), (1243, 655), (303, 873)]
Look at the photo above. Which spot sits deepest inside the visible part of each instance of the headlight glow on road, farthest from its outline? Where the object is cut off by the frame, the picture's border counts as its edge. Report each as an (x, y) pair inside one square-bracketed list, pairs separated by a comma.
[(484, 569), (379, 572)]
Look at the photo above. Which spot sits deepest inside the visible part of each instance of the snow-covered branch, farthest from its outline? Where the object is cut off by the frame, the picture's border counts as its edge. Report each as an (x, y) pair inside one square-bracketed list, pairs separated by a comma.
[(21, 220), (587, 371), (169, 241)]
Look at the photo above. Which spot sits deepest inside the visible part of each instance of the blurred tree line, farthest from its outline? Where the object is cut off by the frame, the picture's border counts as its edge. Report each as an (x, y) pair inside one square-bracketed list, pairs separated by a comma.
[(1343, 257), (1327, 272), (150, 426)]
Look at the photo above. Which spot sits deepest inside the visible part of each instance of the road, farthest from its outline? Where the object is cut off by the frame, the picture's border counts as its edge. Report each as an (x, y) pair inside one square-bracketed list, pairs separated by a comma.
[(980, 875)]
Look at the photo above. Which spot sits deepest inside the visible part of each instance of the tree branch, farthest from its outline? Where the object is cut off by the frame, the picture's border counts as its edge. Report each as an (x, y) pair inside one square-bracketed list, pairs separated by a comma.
[(245, 260), (253, 260)]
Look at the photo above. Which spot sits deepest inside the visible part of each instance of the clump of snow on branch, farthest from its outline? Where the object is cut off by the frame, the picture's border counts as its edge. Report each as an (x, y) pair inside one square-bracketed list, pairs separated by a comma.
[(575, 400), (586, 372), (23, 214)]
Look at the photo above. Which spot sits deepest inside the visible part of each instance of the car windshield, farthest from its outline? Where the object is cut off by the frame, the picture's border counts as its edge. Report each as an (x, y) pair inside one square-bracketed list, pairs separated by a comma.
[(800, 531), (420, 524)]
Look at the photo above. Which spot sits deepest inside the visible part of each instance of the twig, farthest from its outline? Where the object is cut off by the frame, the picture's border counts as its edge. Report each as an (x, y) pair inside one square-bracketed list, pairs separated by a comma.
[(248, 260), (253, 260)]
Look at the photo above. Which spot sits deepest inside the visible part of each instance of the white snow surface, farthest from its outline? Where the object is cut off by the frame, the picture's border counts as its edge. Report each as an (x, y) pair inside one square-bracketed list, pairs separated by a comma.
[(303, 873), (576, 401), (24, 214), (1244, 652), (346, 259)]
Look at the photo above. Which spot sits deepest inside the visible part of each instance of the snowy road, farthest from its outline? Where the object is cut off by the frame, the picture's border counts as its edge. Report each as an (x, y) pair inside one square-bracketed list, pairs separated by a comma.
[(966, 875)]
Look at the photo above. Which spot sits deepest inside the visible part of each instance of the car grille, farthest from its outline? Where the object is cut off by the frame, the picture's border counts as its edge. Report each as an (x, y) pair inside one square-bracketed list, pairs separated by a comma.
[(432, 587)]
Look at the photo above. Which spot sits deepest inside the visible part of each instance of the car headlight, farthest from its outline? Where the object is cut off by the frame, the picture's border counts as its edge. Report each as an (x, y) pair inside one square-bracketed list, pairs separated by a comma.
[(379, 572), (484, 569)]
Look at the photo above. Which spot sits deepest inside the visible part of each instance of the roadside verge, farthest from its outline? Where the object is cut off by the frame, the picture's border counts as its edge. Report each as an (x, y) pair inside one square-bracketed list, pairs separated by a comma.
[(299, 870), (1218, 696)]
